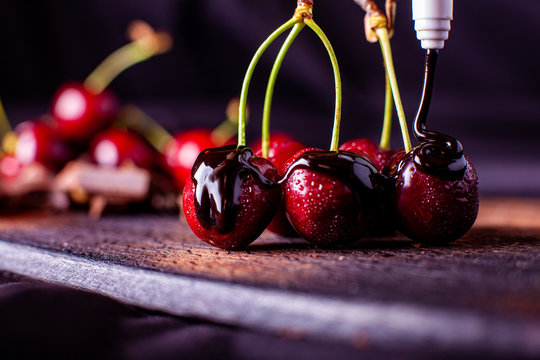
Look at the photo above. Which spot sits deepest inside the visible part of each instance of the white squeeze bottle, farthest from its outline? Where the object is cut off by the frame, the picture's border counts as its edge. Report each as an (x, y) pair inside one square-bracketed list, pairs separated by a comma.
[(432, 22)]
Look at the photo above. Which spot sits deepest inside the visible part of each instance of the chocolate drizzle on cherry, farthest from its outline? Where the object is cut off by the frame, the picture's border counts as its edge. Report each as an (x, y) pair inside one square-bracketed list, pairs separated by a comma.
[(217, 175), (356, 172), (332, 197), (438, 153), (436, 193)]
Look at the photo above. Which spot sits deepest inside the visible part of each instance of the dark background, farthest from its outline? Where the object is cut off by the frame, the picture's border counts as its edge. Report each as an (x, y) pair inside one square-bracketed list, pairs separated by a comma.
[(486, 93)]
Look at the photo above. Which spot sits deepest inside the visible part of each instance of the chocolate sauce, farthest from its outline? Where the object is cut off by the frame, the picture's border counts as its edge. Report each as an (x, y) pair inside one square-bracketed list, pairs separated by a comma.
[(217, 175), (357, 173), (438, 153)]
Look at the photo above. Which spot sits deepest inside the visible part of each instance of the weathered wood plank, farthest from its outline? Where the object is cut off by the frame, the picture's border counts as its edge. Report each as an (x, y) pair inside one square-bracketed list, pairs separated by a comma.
[(489, 261), (395, 325), (489, 279)]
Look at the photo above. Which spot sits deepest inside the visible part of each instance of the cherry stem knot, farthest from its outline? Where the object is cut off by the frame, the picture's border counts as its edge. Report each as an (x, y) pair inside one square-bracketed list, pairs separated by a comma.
[(375, 17), (304, 9)]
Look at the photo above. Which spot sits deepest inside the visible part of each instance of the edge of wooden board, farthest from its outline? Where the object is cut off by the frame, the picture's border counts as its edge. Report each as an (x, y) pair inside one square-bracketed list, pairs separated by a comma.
[(352, 321)]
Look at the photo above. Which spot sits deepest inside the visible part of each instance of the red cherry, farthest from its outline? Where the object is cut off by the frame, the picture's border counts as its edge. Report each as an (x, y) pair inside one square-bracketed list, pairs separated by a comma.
[(182, 150), (80, 113), (331, 197), (10, 167), (114, 146), (436, 193), (381, 158), (231, 196), (435, 209), (282, 147), (37, 142)]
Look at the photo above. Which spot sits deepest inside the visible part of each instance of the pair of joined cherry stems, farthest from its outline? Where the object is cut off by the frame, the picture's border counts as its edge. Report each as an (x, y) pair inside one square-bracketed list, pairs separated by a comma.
[(82, 115), (330, 197)]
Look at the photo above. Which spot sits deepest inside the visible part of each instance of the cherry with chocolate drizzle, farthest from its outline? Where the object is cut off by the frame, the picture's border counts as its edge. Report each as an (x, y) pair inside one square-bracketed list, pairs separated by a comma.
[(332, 197), (320, 187), (436, 194), (231, 196)]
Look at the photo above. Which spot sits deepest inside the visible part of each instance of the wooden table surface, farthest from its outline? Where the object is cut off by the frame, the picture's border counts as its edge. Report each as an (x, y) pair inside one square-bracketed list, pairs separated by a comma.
[(479, 295)]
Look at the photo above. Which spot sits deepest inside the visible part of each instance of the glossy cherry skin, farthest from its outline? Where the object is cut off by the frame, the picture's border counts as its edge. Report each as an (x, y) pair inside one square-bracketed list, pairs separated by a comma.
[(182, 150), (114, 146), (282, 147), (381, 158), (79, 113), (434, 209), (38, 142), (257, 205), (326, 211)]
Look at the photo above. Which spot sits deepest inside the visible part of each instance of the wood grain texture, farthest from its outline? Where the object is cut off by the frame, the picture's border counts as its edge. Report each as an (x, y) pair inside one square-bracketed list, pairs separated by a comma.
[(490, 276)]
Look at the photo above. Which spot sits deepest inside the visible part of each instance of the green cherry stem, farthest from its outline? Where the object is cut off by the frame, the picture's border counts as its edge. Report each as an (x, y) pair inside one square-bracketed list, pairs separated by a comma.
[(387, 120), (384, 41), (265, 146), (337, 81), (242, 111), (5, 127), (146, 43), (138, 121)]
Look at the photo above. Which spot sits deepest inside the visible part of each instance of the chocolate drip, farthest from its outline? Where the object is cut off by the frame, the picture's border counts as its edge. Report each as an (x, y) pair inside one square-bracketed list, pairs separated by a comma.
[(438, 153), (357, 173), (217, 175)]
